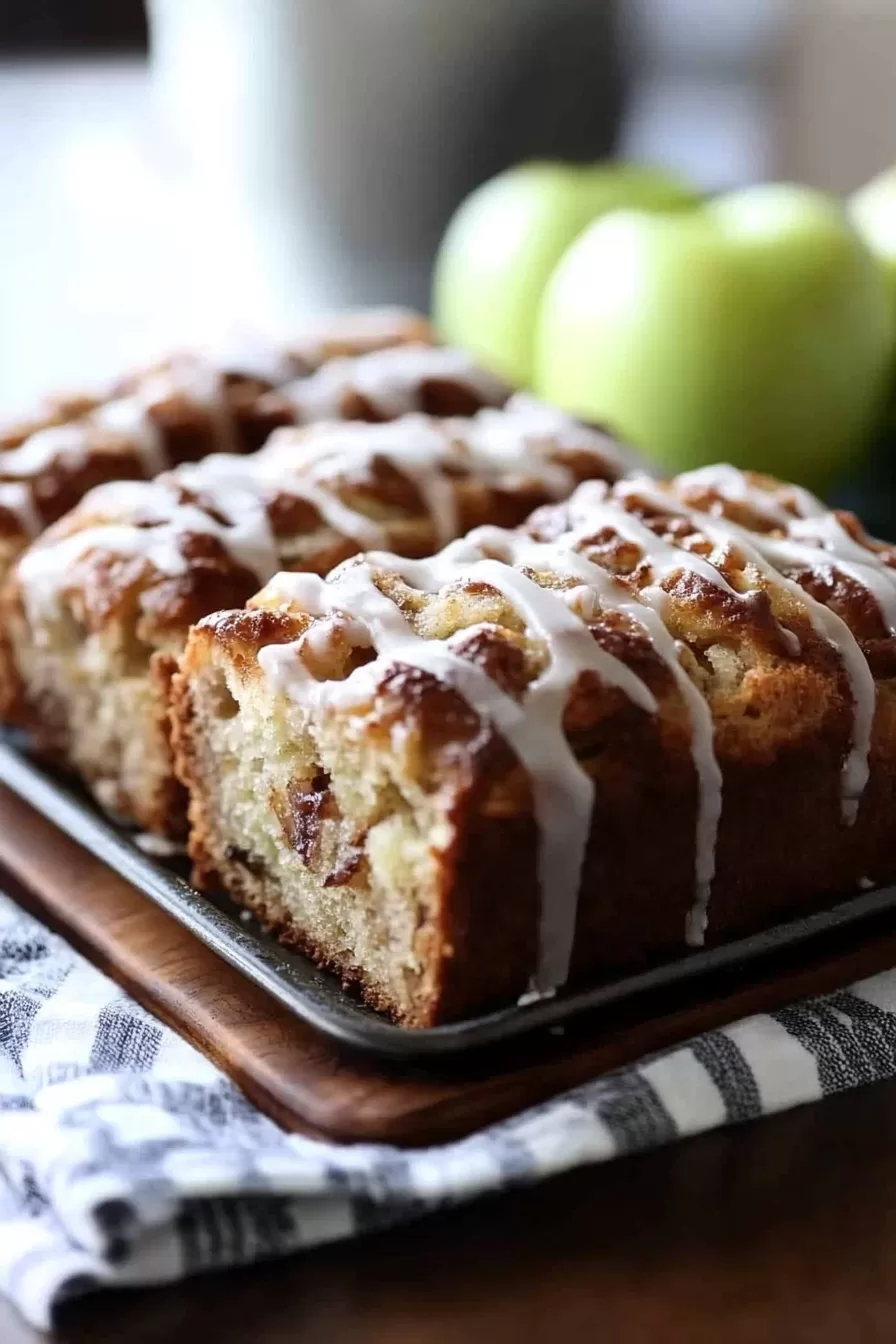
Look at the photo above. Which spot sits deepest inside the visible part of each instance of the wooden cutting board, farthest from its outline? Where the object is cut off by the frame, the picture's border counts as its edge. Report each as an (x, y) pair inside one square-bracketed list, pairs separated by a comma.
[(307, 1082)]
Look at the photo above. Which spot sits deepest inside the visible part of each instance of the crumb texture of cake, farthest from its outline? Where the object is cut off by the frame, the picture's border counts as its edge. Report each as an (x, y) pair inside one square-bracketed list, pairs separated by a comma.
[(653, 715), (96, 612), (192, 404)]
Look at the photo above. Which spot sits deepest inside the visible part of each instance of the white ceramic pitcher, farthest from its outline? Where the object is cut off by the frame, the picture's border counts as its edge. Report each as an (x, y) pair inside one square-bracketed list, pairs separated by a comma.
[(328, 140)]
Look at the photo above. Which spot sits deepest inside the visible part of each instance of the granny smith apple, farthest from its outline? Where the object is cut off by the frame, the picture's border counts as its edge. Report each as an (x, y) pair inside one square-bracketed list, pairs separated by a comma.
[(873, 211), (505, 240), (756, 329)]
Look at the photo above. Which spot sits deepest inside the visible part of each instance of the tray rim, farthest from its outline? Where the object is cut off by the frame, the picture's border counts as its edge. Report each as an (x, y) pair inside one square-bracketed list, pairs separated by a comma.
[(318, 999)]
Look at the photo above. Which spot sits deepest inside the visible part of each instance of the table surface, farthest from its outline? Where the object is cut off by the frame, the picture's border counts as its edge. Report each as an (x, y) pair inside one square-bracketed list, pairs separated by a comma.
[(780, 1230)]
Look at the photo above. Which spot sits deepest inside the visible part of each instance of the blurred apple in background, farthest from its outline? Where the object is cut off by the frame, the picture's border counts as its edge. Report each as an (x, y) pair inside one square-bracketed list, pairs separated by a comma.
[(506, 239), (756, 329), (873, 211), (872, 492)]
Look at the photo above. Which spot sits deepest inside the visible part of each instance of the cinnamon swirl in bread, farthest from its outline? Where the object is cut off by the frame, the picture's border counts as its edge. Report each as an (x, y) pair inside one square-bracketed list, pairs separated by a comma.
[(653, 715), (190, 405), (97, 611)]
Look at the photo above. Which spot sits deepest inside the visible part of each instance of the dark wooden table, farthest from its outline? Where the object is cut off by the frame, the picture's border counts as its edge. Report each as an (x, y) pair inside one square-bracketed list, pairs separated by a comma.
[(784, 1230)]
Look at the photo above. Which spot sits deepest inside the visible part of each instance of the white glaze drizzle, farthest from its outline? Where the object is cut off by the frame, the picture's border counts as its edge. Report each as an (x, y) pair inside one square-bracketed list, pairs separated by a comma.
[(250, 354), (356, 332), (647, 610), (805, 504), (200, 377), (307, 464), (414, 445), (15, 496), (815, 540), (732, 484), (390, 380), (131, 418), (858, 562), (496, 447), (44, 569), (203, 384), (240, 496), (854, 776), (874, 578), (341, 518), (779, 504), (305, 484), (811, 529), (42, 448), (126, 416), (589, 509), (670, 555), (767, 554), (527, 436), (245, 533)]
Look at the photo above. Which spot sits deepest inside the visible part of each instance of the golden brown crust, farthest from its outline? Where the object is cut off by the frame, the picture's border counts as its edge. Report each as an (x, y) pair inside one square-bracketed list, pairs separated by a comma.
[(783, 711)]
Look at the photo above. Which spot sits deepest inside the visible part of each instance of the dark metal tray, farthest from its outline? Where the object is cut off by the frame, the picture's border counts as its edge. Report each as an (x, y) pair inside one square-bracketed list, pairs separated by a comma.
[(318, 998)]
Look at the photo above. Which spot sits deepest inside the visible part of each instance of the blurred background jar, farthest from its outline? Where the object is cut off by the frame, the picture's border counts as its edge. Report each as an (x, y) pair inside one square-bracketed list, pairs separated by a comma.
[(327, 142)]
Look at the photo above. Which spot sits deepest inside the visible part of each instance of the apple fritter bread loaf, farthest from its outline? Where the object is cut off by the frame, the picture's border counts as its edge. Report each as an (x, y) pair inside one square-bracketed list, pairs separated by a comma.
[(192, 404), (96, 612), (652, 715)]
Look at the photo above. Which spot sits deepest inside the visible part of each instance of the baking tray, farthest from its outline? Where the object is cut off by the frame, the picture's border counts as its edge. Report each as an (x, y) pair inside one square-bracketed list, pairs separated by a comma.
[(318, 997)]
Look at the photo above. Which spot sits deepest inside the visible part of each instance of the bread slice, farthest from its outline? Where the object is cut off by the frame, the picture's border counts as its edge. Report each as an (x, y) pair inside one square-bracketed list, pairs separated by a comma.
[(555, 752), (192, 404), (97, 611)]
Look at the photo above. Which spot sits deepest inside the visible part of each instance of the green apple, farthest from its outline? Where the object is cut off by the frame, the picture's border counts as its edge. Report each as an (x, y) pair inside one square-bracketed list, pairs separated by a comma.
[(756, 330), (506, 238), (873, 211)]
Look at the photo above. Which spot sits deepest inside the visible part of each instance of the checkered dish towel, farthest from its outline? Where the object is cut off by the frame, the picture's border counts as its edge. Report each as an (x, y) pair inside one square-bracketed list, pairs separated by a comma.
[(126, 1157)]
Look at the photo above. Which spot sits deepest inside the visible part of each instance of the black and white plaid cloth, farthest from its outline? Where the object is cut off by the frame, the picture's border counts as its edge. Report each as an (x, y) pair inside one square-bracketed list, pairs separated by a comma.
[(126, 1158)]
